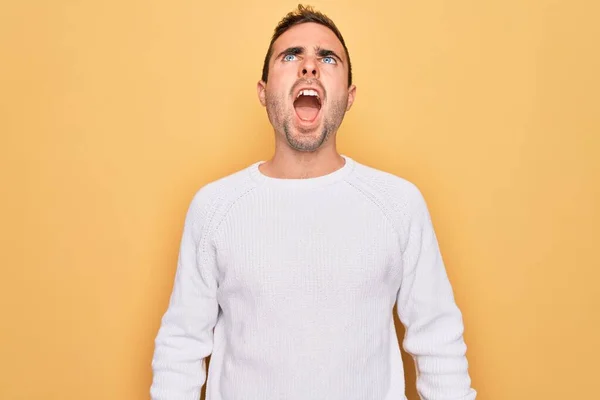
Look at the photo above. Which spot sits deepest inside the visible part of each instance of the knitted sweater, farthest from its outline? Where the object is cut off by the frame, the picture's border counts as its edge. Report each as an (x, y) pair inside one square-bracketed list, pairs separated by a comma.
[(290, 284)]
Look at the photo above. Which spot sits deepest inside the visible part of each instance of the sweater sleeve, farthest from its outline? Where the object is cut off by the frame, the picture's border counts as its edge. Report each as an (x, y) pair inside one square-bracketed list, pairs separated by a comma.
[(185, 336), (427, 309)]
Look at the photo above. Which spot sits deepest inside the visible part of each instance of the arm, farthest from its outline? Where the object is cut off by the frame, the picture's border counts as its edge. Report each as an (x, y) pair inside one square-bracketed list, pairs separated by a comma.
[(185, 337), (426, 307)]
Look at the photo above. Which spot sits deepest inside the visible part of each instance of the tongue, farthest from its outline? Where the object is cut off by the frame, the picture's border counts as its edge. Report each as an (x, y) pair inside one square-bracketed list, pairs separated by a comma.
[(307, 108)]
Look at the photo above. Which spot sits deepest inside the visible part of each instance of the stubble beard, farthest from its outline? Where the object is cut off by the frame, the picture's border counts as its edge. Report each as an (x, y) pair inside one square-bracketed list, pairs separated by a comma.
[(301, 140)]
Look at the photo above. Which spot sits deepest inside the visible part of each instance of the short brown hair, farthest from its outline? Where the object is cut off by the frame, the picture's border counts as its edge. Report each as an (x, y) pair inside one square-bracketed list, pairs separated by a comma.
[(302, 15)]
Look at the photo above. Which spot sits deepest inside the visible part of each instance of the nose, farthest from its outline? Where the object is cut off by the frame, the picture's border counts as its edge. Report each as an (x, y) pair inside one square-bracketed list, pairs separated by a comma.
[(309, 69)]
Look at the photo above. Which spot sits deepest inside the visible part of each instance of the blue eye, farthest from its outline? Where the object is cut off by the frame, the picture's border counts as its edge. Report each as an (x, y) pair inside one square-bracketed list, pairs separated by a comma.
[(289, 57), (329, 60)]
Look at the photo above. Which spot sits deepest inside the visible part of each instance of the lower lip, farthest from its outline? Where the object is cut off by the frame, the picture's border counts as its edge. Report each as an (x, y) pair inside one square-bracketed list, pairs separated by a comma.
[(308, 124)]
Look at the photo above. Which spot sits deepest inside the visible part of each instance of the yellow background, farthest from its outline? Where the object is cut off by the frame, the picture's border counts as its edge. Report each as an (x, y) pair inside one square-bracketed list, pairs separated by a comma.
[(113, 113)]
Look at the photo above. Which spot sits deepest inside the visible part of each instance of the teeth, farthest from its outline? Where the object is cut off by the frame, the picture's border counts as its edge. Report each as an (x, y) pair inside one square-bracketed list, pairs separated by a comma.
[(308, 92)]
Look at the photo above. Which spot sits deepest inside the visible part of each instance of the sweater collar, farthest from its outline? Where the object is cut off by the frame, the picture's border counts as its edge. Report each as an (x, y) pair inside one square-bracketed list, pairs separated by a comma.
[(293, 183)]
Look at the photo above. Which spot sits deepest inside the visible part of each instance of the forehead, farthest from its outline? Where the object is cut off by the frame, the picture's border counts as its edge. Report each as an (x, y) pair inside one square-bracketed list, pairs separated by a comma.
[(309, 35)]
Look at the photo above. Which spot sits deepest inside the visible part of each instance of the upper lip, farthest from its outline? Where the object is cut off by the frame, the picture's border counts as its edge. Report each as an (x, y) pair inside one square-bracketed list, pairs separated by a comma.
[(309, 87)]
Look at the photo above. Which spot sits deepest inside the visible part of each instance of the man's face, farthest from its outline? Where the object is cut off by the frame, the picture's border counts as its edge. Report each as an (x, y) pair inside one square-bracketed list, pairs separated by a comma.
[(307, 93)]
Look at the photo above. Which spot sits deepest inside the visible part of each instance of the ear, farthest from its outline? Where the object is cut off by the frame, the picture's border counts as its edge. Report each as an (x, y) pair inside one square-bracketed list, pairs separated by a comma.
[(351, 96), (261, 88)]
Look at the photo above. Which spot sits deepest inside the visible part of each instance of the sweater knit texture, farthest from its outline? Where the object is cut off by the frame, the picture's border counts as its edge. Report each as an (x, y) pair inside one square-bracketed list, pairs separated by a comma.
[(290, 284)]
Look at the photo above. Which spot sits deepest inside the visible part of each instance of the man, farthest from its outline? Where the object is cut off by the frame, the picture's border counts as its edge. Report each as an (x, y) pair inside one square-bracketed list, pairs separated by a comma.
[(289, 269)]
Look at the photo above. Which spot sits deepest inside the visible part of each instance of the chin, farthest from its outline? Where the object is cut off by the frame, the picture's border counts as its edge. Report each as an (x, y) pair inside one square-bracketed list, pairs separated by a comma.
[(306, 140)]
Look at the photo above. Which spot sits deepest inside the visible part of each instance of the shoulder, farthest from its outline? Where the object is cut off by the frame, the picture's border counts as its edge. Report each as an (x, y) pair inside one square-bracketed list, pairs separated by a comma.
[(396, 193), (399, 199), (212, 199)]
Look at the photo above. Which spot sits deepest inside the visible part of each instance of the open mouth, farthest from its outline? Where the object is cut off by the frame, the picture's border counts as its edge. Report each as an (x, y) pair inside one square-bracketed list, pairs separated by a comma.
[(307, 105)]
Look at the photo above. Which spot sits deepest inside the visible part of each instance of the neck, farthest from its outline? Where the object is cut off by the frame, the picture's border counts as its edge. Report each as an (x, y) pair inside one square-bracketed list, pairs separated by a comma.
[(292, 164)]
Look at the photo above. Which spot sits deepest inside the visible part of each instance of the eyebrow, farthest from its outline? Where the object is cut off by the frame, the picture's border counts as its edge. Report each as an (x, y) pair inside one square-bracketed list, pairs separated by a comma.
[(296, 50), (328, 53), (291, 50)]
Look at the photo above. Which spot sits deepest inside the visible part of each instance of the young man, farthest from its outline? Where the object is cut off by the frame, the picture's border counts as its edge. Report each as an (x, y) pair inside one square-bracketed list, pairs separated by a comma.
[(289, 269)]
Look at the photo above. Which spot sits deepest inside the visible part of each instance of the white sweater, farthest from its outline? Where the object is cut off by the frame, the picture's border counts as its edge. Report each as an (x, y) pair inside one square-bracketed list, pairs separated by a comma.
[(298, 278)]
